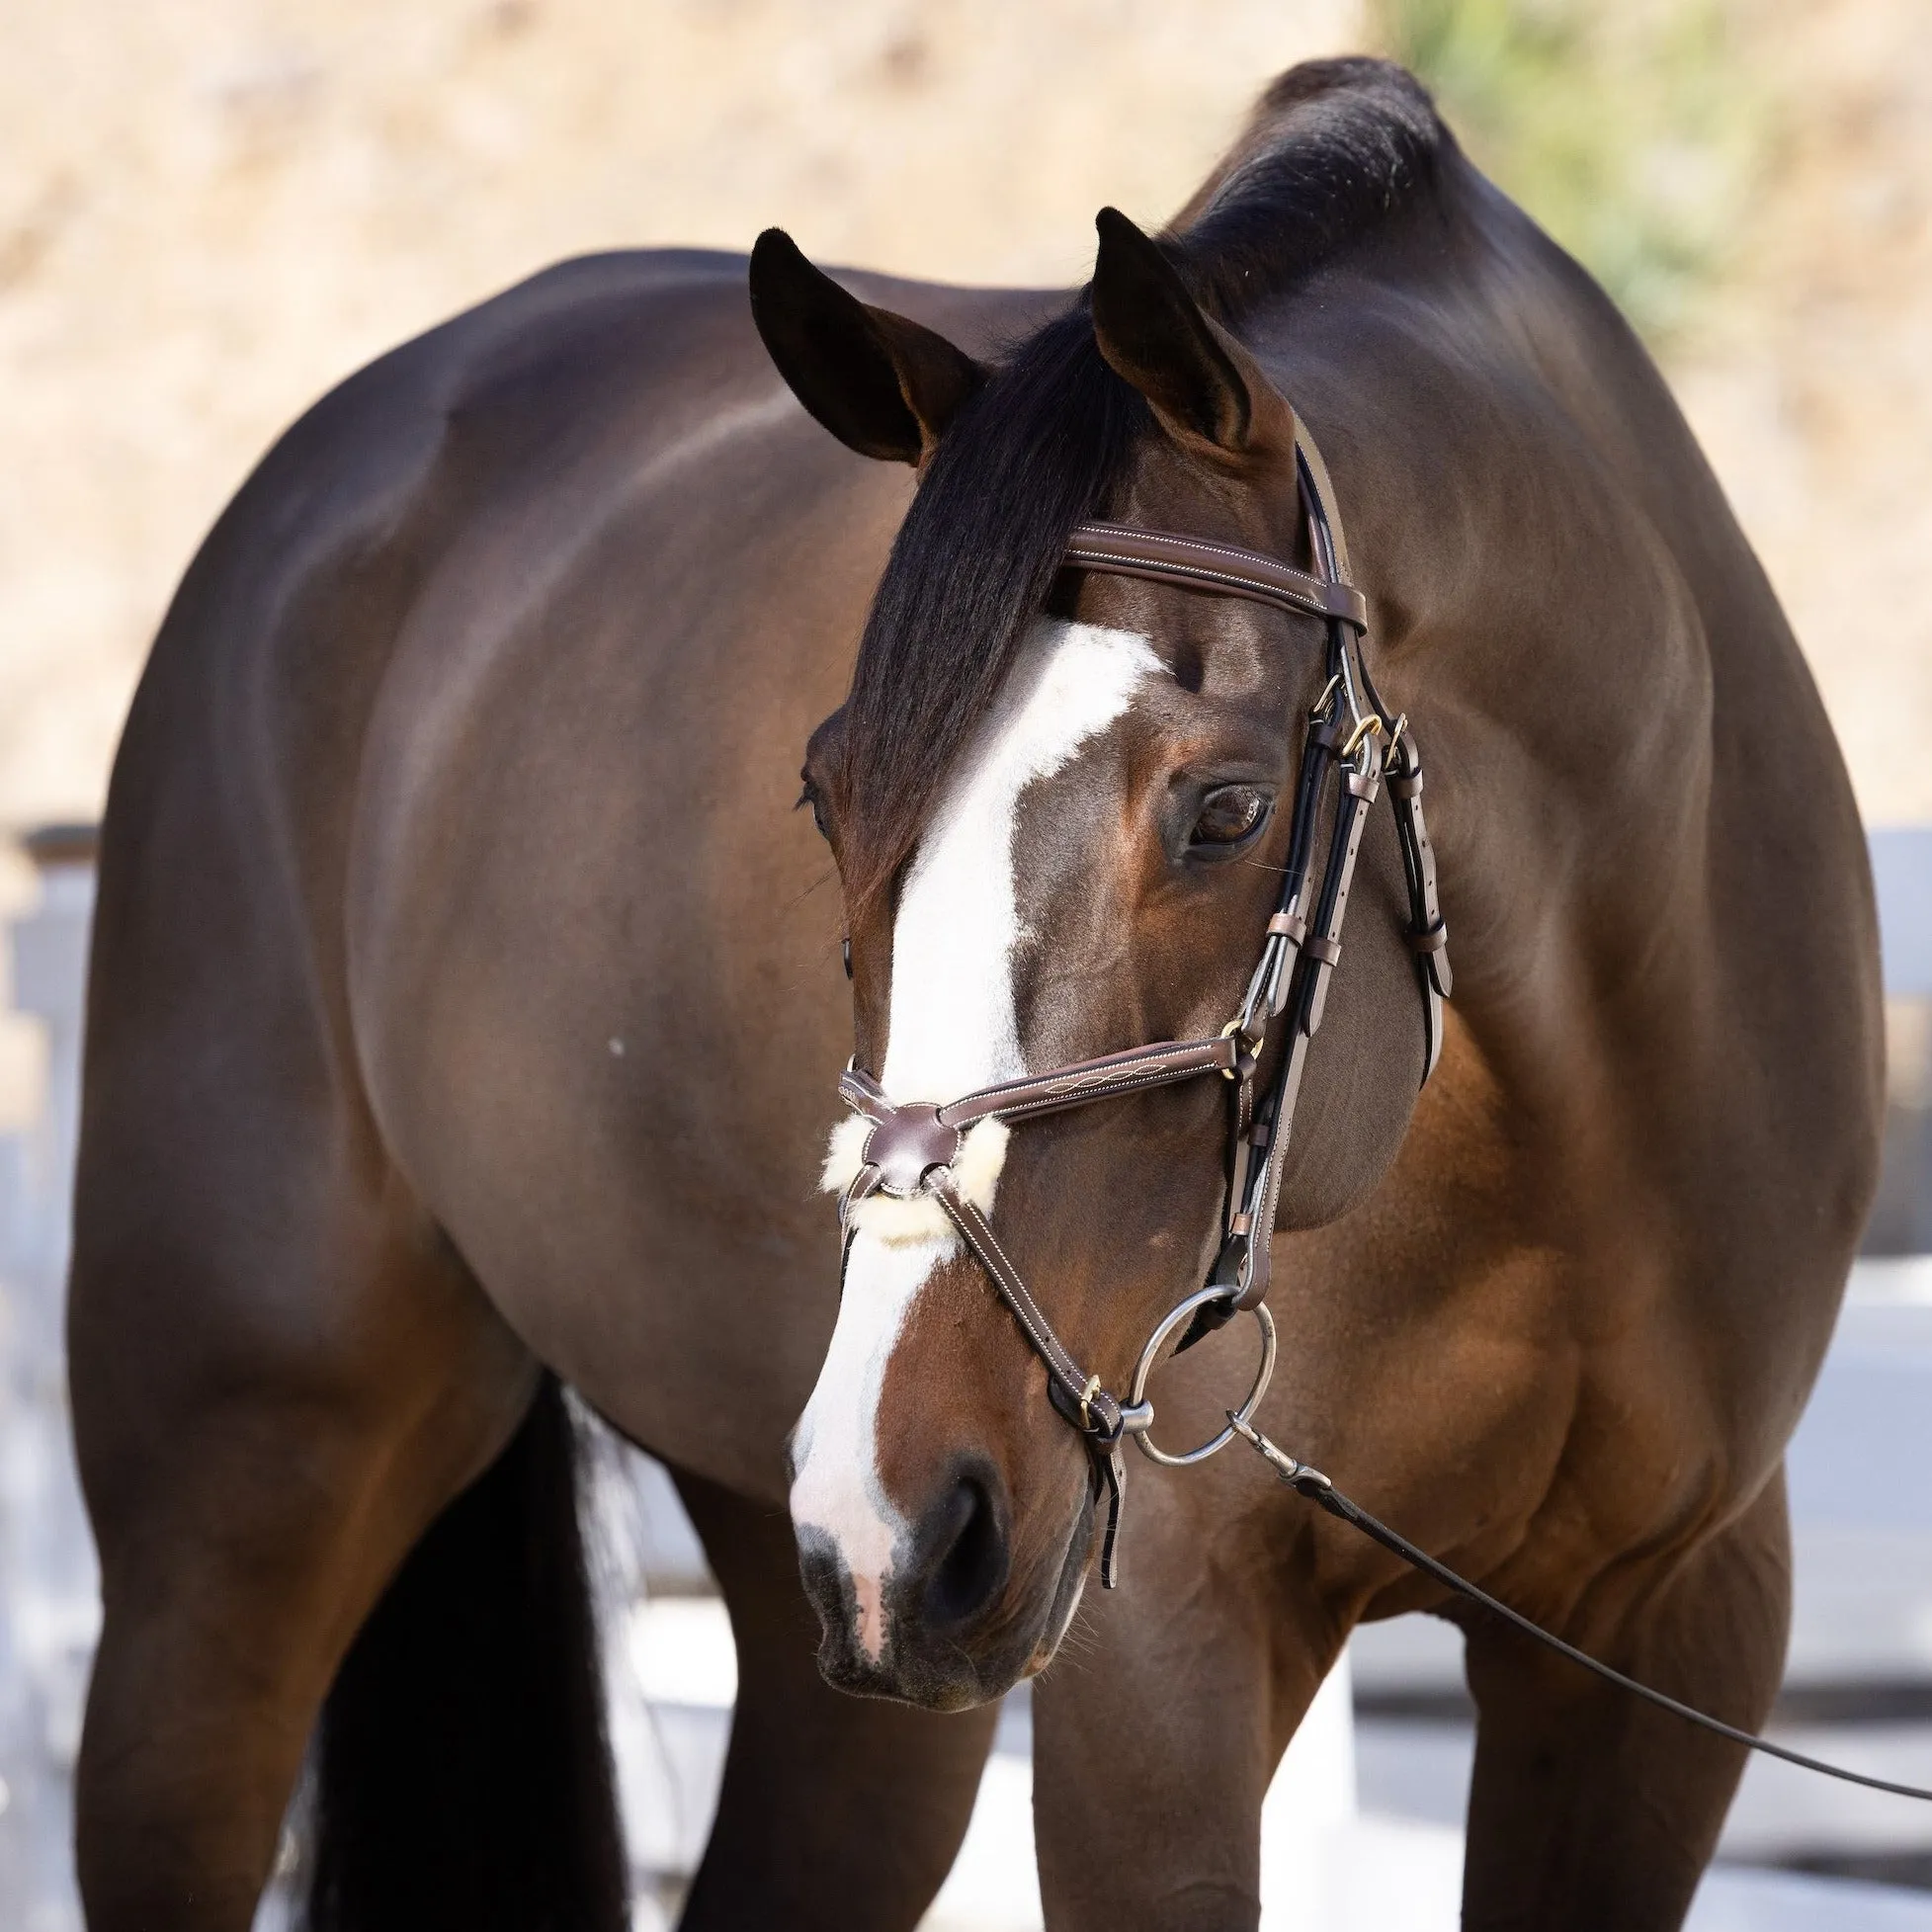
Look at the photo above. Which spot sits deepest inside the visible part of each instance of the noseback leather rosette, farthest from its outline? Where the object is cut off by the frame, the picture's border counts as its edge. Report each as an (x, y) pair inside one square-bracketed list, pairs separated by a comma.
[(907, 1144), (880, 1169), (924, 1170)]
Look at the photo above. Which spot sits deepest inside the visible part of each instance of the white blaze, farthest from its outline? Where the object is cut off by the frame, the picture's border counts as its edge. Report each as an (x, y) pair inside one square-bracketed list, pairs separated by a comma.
[(952, 1028)]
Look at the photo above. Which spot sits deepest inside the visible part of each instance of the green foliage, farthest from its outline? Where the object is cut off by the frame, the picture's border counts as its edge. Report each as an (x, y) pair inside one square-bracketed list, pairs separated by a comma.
[(1629, 132)]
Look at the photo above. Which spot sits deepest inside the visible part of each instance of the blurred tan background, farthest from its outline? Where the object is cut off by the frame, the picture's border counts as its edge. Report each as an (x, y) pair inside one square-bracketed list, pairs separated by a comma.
[(211, 209)]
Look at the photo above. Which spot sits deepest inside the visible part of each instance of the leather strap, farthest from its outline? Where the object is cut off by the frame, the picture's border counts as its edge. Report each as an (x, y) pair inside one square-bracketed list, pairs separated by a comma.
[(1083, 1081), (862, 1093), (1325, 951), (1102, 1418), (1319, 493), (1428, 934), (1162, 556), (1245, 1263), (1077, 1084)]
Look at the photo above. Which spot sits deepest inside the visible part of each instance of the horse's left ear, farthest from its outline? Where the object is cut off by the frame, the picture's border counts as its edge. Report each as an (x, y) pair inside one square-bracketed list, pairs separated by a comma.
[(1207, 392), (882, 383)]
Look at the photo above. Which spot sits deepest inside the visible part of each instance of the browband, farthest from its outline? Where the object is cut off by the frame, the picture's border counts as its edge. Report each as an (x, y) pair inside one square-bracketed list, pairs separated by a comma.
[(1163, 557)]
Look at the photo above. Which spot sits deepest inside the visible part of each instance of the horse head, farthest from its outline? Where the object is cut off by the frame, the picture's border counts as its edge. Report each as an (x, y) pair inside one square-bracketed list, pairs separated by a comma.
[(1062, 805)]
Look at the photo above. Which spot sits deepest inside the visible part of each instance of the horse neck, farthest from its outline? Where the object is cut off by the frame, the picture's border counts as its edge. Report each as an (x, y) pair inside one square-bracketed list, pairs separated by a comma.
[(1538, 627)]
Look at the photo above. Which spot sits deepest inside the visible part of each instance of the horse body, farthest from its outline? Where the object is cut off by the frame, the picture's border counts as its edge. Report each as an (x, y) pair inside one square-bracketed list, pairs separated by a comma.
[(279, 1337), (592, 963), (466, 1000)]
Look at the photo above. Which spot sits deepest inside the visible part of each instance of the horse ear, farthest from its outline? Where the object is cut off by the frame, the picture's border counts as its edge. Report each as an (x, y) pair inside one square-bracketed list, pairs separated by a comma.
[(882, 384), (1207, 392)]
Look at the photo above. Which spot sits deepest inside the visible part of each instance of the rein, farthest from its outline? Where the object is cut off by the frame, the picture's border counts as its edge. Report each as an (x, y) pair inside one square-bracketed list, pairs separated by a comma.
[(1310, 1482), (1353, 743)]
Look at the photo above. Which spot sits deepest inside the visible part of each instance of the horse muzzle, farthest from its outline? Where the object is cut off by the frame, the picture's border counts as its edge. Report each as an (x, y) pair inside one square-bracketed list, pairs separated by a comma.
[(955, 1621)]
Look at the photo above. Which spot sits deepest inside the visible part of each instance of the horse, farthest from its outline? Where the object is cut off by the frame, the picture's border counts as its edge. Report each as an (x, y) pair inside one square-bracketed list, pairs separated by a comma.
[(467, 1009)]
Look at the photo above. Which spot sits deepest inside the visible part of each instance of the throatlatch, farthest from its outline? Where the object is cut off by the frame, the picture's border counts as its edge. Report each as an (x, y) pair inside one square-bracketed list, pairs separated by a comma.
[(1351, 745)]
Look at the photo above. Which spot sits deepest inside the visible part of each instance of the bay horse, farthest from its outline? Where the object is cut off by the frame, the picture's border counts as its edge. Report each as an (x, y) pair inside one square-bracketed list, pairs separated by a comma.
[(467, 1006)]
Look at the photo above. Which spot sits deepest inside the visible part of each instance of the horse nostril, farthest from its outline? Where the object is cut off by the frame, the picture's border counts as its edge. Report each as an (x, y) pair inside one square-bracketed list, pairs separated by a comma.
[(972, 1564), (823, 1573)]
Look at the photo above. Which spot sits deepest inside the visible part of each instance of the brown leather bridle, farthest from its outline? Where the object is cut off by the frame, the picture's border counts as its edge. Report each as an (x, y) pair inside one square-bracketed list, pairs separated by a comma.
[(1350, 739)]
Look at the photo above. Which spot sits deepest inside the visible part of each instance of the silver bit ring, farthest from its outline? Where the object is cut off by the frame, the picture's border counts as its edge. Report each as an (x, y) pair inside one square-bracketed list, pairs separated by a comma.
[(1142, 1369)]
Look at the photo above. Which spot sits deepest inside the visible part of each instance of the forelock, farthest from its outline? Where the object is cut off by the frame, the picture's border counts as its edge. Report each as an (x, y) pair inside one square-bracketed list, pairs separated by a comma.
[(1332, 149)]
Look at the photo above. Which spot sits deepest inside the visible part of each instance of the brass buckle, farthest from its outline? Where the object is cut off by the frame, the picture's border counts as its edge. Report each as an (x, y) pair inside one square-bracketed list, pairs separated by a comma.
[(1368, 726), (1086, 1402), (1236, 1029)]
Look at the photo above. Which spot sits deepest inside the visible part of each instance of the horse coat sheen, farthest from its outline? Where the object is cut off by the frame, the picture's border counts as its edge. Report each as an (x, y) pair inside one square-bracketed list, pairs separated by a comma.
[(465, 1005)]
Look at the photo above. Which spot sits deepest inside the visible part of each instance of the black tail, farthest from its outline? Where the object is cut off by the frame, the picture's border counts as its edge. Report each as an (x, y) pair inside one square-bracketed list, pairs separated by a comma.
[(463, 1777)]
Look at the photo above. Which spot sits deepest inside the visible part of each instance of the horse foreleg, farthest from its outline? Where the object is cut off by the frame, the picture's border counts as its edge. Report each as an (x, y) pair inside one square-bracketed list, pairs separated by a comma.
[(1592, 1810), (1158, 1730), (837, 1812), (250, 1501)]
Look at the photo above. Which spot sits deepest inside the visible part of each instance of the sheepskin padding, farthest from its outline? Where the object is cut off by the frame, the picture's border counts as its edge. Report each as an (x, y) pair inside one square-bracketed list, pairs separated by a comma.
[(845, 1154), (983, 1154)]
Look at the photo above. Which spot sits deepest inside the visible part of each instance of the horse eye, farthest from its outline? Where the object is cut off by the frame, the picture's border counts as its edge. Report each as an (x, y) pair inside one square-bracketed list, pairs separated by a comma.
[(809, 797), (1228, 814)]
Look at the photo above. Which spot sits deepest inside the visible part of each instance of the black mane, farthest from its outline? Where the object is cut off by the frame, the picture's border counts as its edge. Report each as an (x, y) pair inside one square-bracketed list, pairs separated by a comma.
[(1332, 147)]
